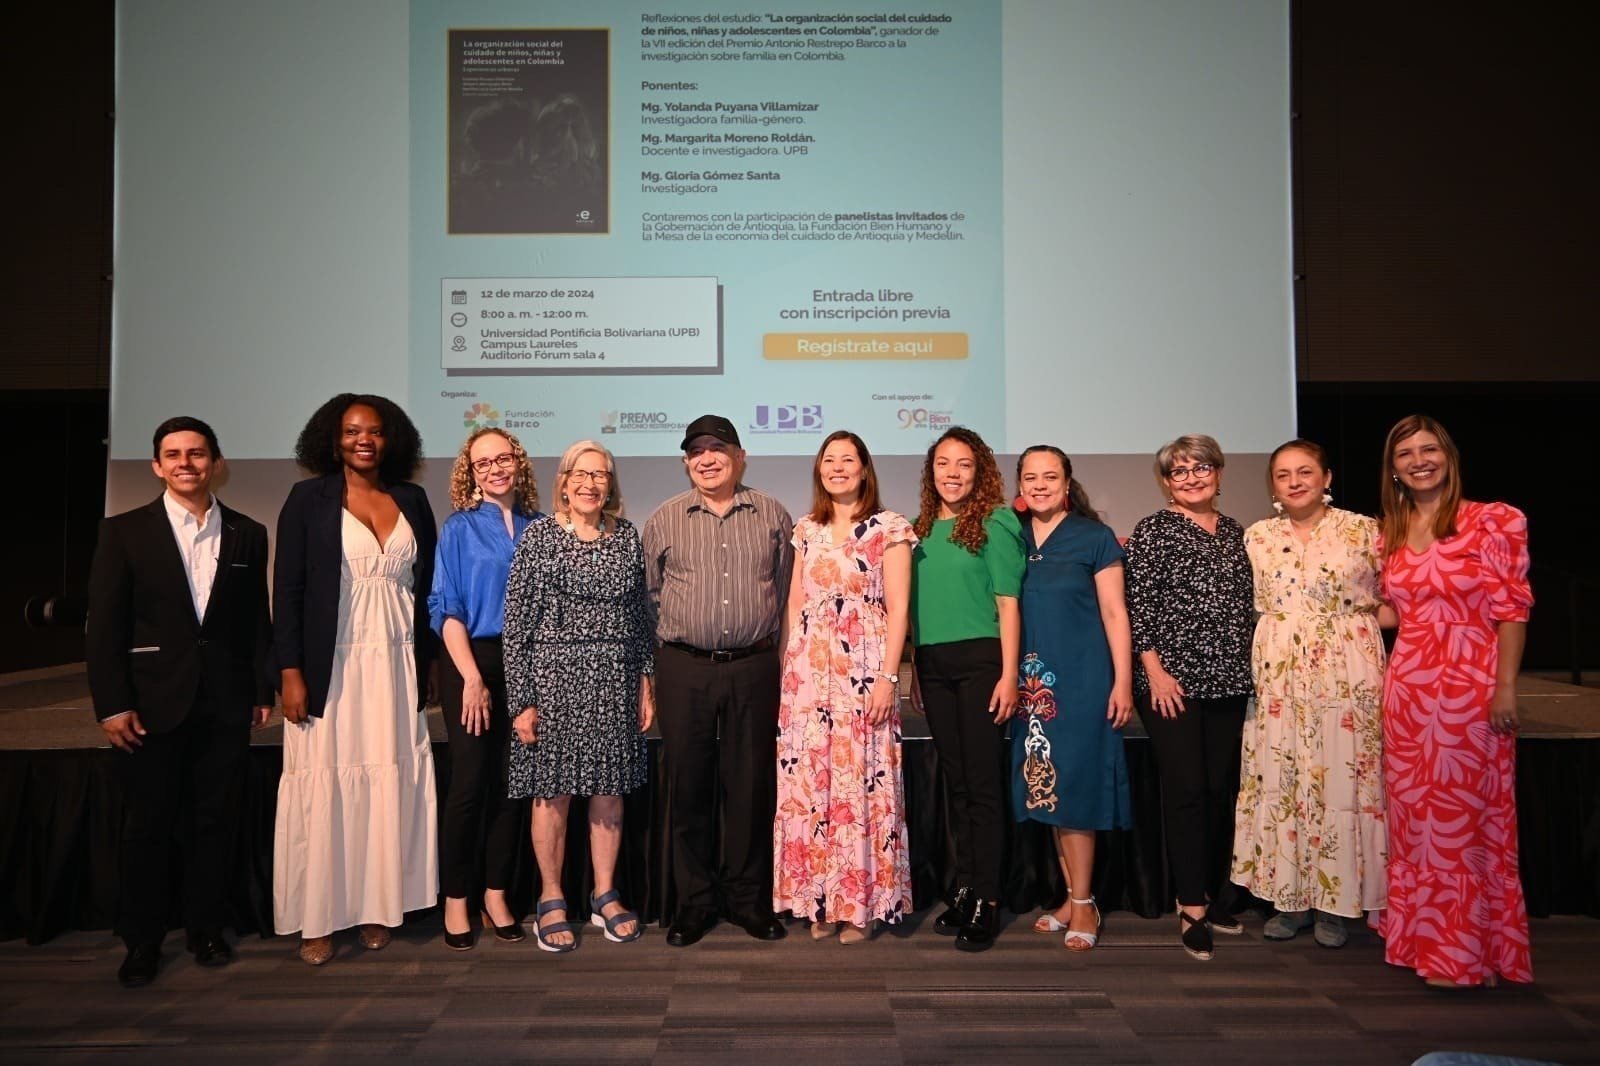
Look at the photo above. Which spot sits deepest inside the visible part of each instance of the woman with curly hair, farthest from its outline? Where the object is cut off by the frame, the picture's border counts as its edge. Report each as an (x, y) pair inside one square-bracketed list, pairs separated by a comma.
[(1191, 600), (967, 574), (355, 842), (494, 497)]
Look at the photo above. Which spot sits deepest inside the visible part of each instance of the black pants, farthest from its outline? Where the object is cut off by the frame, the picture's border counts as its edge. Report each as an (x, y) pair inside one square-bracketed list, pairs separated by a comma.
[(1197, 760), (479, 832), (697, 702), (186, 781), (957, 681)]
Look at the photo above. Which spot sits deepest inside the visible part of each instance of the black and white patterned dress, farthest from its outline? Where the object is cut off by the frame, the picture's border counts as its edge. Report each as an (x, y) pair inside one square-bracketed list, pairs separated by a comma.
[(577, 638), (1191, 597)]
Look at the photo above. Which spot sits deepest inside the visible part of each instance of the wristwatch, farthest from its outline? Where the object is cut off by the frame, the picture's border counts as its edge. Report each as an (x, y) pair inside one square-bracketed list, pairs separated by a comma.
[(893, 679)]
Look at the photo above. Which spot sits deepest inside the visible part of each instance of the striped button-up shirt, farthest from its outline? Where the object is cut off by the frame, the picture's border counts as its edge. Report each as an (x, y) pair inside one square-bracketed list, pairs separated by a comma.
[(718, 582)]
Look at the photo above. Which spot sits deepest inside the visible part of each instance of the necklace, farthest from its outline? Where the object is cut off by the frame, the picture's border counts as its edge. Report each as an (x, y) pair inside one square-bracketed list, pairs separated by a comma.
[(573, 529)]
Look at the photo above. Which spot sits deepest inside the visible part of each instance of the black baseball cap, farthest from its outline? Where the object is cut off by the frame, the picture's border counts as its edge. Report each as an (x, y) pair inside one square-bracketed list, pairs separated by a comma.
[(710, 426)]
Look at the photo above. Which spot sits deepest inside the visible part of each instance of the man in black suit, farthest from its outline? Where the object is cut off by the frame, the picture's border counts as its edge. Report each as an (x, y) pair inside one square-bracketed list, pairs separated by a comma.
[(178, 641)]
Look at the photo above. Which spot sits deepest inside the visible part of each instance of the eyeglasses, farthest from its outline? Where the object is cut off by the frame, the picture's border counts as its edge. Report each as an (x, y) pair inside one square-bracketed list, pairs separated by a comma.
[(504, 461), (1181, 473), (599, 477)]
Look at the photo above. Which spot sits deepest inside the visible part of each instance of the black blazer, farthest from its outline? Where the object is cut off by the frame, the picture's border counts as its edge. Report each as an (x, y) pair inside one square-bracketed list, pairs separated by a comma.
[(147, 651), (305, 581)]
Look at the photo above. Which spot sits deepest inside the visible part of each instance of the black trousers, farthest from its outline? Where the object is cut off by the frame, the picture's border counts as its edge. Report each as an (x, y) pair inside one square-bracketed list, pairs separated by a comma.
[(1197, 760), (957, 680), (480, 830), (699, 701), (184, 782)]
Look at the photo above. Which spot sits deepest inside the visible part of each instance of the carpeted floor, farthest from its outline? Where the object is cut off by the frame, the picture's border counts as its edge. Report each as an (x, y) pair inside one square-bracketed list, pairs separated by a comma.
[(903, 997)]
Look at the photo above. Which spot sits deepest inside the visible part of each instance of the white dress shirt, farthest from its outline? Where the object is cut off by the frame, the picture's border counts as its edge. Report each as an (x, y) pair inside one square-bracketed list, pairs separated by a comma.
[(199, 542)]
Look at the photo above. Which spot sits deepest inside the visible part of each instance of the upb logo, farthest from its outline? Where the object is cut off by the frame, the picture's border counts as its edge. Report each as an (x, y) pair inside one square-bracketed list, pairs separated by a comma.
[(787, 418)]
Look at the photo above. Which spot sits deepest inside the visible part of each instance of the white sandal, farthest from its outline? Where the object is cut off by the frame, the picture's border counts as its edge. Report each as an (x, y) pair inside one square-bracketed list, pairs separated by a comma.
[(1080, 941)]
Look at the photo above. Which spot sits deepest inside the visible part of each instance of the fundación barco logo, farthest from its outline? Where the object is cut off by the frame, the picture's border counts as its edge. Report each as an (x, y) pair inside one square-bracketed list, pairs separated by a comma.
[(480, 416)]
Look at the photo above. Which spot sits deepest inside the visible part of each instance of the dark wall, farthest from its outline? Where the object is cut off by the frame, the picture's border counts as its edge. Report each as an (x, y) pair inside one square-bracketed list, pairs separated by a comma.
[(56, 74)]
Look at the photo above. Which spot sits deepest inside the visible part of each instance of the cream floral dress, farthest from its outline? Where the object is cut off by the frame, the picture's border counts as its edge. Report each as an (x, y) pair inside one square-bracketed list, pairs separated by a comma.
[(1309, 826)]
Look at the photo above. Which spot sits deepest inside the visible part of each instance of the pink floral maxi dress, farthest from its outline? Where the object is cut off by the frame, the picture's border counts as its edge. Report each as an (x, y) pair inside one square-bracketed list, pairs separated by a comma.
[(839, 838), (1455, 891)]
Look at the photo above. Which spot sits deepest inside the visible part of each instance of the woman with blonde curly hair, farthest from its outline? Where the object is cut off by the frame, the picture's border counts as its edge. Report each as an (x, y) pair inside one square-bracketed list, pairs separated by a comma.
[(493, 492), (967, 575)]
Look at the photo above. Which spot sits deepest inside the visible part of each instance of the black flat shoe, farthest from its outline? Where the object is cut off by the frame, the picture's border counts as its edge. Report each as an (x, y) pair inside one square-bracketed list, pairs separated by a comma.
[(140, 967), (1224, 923), (958, 916), (1195, 935), (509, 933), (459, 941), (762, 927), (979, 934), (211, 950), (688, 926)]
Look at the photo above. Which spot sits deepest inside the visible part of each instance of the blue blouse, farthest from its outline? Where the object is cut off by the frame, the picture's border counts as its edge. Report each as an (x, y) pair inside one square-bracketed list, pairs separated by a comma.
[(470, 568)]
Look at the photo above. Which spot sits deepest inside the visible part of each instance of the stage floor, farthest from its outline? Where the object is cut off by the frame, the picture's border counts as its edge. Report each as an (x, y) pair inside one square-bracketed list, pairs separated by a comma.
[(50, 709), (904, 997)]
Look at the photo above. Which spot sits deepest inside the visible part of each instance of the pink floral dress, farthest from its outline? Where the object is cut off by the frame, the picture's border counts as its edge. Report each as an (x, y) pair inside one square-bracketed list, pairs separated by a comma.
[(1455, 891), (839, 838)]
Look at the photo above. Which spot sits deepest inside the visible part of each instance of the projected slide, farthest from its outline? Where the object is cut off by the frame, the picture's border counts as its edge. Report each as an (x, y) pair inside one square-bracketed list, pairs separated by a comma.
[(1049, 220), (791, 216)]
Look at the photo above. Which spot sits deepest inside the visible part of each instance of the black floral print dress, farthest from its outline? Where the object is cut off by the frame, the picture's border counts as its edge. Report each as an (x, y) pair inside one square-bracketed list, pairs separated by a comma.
[(577, 639)]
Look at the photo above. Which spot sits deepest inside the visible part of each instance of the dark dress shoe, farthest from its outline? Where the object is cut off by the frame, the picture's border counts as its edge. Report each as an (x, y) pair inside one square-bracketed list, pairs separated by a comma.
[(689, 926), (139, 968), (958, 916), (211, 950), (762, 927), (459, 941), (979, 934), (511, 934)]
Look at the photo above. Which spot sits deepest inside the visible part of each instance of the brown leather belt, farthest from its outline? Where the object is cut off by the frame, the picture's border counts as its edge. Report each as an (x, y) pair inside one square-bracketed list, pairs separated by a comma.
[(723, 655)]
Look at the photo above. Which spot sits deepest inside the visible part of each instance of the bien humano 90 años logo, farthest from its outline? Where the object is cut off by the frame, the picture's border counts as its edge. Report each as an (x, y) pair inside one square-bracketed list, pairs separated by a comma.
[(480, 416)]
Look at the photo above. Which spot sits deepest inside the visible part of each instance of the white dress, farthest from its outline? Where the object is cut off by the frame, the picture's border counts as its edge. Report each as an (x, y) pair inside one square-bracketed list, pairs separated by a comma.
[(355, 840)]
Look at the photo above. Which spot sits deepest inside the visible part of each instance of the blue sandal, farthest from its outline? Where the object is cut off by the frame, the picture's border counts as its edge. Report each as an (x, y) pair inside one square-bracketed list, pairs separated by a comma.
[(540, 928), (620, 918)]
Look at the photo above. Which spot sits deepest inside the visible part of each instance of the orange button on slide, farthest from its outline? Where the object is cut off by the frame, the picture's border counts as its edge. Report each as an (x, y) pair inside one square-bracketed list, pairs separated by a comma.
[(864, 346)]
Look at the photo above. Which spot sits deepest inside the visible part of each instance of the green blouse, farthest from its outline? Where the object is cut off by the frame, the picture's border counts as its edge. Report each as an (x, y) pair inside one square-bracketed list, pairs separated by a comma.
[(953, 590)]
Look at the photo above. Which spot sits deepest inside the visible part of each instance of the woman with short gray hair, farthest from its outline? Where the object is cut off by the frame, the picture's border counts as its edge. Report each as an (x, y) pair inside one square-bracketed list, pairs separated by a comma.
[(1191, 601)]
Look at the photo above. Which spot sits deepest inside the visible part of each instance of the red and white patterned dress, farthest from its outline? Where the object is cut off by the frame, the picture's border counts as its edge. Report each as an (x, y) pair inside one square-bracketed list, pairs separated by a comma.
[(839, 838), (1455, 892)]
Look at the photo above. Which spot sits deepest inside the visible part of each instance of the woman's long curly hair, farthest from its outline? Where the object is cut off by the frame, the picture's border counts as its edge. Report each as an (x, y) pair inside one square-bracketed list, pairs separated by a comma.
[(1077, 496), (463, 482), (1396, 502), (988, 492), (317, 447)]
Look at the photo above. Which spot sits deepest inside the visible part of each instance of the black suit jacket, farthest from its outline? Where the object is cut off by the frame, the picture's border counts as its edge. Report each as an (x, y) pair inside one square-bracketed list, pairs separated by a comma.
[(305, 580), (147, 651)]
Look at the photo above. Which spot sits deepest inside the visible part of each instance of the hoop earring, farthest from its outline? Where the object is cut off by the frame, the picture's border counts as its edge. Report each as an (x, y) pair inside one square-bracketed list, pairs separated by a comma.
[(1277, 505)]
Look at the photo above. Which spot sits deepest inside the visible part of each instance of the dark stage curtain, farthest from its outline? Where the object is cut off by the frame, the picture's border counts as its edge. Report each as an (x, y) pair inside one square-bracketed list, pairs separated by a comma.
[(59, 819)]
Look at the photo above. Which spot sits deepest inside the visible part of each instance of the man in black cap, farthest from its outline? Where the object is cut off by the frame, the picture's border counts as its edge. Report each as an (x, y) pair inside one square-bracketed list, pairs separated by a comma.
[(717, 562)]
